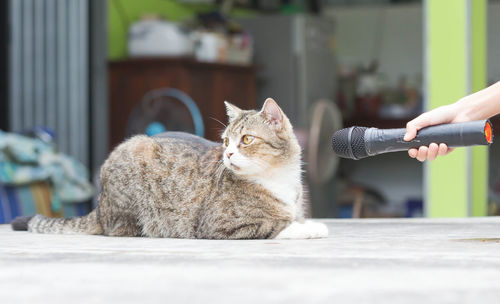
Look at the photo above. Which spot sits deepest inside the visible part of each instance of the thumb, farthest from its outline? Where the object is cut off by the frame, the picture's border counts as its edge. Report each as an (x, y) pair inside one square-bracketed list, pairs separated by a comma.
[(412, 128), (416, 124), (421, 121), (411, 132), (443, 114)]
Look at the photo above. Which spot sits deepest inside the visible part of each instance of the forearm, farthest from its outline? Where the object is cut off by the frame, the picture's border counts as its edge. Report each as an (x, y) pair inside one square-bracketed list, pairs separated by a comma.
[(480, 105)]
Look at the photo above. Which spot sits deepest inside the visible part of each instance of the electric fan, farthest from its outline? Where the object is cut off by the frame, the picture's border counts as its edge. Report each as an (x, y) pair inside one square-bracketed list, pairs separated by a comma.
[(329, 196), (165, 109), (320, 161)]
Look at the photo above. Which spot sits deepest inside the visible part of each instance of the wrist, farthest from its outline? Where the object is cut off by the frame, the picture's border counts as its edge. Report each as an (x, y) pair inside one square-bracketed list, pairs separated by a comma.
[(480, 105), (469, 109)]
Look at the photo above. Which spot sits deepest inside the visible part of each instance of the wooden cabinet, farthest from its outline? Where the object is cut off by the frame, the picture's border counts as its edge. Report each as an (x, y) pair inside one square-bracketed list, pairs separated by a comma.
[(208, 84)]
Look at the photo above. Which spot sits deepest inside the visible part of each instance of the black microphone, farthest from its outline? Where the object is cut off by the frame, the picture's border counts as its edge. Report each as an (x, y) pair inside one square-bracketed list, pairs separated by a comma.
[(361, 142)]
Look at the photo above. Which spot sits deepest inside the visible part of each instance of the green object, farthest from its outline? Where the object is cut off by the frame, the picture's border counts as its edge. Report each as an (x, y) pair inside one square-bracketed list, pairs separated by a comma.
[(291, 9), (456, 185), (121, 13), (479, 189)]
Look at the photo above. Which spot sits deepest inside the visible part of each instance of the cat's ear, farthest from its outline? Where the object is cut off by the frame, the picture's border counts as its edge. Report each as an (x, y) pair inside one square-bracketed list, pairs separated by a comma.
[(272, 113), (232, 111)]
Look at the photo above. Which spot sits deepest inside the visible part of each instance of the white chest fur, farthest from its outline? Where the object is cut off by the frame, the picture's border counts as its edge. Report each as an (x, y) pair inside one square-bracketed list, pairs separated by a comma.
[(284, 184)]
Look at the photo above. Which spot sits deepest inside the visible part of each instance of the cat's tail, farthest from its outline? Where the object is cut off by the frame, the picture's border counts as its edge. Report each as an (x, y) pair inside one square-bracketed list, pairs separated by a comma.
[(76, 225)]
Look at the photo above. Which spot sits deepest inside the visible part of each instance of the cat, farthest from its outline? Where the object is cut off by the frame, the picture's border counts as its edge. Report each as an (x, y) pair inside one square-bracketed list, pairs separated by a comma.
[(178, 185)]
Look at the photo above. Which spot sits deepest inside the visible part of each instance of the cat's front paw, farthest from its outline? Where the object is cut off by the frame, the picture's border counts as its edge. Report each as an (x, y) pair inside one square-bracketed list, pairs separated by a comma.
[(306, 230), (316, 230)]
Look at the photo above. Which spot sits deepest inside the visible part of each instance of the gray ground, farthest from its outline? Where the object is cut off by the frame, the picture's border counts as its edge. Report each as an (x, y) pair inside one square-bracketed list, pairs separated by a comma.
[(363, 261)]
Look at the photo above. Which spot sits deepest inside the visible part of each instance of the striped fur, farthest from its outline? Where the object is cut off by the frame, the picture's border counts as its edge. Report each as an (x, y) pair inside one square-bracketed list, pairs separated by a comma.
[(179, 185), (75, 225)]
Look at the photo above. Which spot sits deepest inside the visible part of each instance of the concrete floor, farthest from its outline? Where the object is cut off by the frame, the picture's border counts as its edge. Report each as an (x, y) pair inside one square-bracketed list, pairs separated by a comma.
[(363, 261)]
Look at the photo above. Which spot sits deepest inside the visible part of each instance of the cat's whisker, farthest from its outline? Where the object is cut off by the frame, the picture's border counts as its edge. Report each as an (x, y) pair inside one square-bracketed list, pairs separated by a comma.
[(218, 121), (221, 132)]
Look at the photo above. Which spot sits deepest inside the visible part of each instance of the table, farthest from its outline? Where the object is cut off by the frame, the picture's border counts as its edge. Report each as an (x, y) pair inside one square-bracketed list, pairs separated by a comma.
[(362, 261)]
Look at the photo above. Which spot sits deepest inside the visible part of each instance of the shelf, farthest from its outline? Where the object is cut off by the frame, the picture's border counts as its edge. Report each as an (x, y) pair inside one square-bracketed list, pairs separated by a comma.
[(185, 61)]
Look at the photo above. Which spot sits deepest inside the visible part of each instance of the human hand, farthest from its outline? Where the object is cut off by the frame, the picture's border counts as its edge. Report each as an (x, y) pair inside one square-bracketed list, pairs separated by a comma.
[(445, 114)]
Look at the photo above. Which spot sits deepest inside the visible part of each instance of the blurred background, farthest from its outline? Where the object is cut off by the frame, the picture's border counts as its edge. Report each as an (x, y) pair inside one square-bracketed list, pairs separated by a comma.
[(77, 77)]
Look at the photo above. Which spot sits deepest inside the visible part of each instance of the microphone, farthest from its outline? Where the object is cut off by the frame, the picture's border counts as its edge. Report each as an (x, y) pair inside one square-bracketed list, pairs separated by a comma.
[(360, 142)]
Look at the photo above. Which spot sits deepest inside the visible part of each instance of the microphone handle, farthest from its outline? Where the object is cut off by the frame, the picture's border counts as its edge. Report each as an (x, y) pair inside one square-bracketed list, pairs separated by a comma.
[(471, 133)]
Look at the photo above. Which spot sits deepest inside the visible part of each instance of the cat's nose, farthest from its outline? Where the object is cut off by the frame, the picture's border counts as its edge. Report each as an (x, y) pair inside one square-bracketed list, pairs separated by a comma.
[(229, 154)]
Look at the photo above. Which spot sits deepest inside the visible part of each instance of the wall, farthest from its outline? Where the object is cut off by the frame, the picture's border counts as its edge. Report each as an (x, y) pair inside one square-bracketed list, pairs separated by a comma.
[(4, 63), (394, 35), (494, 42), (390, 34)]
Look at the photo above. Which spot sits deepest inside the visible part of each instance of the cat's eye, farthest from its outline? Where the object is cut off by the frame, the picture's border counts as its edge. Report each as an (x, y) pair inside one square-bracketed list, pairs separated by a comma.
[(226, 141), (247, 139)]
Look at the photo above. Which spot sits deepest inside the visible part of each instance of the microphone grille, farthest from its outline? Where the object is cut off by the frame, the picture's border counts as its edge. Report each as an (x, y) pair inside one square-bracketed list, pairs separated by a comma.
[(350, 143), (340, 143), (358, 142)]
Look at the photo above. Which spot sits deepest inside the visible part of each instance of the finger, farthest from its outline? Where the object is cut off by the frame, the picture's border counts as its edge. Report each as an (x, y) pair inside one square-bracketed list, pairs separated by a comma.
[(437, 116), (433, 151), (412, 153), (411, 131), (422, 153), (443, 149), (414, 125)]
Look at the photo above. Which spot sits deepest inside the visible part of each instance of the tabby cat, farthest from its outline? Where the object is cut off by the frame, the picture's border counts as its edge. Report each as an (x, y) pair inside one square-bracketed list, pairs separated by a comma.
[(178, 185)]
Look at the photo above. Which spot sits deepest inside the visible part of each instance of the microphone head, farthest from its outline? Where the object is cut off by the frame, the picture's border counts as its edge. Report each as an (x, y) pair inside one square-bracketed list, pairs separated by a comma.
[(350, 143)]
